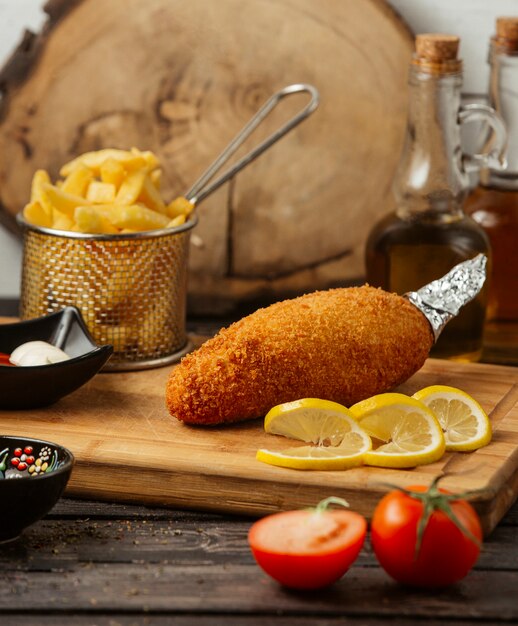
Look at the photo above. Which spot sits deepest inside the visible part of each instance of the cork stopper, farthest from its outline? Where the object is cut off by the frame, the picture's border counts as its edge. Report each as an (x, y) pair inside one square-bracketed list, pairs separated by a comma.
[(437, 53), (506, 38)]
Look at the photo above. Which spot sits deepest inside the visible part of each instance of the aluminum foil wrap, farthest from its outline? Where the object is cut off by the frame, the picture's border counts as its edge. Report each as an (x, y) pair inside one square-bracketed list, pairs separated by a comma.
[(443, 298)]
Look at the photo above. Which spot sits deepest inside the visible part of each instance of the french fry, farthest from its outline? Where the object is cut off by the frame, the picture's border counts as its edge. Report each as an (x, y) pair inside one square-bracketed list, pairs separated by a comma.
[(156, 178), (78, 180), (151, 197), (38, 194), (134, 217), (150, 158), (177, 221), (62, 201), (100, 193), (34, 213), (130, 160), (107, 191), (131, 188), (94, 160), (179, 206), (40, 177), (60, 221), (112, 171), (89, 220)]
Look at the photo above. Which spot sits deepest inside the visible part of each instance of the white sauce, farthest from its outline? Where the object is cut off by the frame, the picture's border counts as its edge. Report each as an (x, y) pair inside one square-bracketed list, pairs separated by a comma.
[(37, 353)]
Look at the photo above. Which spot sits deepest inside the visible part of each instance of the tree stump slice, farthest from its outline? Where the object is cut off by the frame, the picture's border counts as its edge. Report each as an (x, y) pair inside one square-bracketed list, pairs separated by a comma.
[(181, 79)]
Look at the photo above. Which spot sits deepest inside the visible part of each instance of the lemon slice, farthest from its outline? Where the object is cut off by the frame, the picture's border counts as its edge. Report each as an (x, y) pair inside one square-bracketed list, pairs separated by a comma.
[(408, 432), (464, 422), (337, 440)]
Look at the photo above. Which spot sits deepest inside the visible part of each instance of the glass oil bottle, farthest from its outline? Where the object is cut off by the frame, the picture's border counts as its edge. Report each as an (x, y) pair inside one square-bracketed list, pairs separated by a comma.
[(429, 233), (494, 203)]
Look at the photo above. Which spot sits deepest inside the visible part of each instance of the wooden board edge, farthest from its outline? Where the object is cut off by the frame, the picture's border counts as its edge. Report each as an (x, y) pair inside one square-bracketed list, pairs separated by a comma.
[(503, 490), (223, 494)]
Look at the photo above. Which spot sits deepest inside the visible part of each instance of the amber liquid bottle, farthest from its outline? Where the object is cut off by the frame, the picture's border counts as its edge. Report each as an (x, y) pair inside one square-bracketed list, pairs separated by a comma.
[(429, 233), (494, 203)]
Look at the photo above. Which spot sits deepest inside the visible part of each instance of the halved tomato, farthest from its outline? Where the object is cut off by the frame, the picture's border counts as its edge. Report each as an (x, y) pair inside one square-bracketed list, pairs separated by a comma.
[(308, 549)]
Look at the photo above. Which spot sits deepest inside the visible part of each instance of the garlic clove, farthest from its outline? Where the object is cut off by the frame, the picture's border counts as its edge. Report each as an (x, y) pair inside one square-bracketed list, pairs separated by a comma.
[(37, 353)]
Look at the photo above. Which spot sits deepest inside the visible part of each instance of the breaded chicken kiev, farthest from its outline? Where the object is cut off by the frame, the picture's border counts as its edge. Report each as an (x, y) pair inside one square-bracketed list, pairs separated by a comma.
[(342, 345)]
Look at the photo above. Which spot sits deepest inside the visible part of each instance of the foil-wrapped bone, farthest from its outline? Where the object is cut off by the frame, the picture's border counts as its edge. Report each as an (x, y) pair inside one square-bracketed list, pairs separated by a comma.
[(442, 299)]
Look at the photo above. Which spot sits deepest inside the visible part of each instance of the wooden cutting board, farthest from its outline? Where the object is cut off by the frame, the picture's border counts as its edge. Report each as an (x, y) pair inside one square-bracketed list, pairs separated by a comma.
[(129, 449)]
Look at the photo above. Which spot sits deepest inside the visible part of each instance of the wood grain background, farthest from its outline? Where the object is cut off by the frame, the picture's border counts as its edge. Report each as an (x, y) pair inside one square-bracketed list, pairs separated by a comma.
[(293, 221), (472, 19)]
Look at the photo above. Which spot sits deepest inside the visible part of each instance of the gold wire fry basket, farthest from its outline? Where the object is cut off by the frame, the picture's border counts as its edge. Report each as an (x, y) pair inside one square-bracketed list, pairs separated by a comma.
[(131, 289)]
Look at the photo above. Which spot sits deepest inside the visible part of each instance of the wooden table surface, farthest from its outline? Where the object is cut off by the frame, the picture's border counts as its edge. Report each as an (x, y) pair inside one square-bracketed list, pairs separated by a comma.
[(91, 563), (98, 563)]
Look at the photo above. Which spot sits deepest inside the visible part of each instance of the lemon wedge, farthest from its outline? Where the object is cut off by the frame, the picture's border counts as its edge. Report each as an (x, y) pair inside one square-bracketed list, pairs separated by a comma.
[(336, 440), (408, 432), (464, 422)]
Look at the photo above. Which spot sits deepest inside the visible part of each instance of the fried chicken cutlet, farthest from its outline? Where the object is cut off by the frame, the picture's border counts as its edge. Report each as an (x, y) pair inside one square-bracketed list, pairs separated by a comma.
[(342, 345)]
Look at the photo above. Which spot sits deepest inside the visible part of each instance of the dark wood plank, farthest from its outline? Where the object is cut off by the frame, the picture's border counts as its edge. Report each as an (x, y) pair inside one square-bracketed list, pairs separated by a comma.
[(54, 544), (511, 517), (72, 508), (196, 564), (237, 589), (136, 619)]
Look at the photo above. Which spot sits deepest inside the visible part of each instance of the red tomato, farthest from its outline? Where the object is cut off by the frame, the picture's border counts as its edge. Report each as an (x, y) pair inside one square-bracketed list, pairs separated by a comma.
[(307, 549), (446, 553)]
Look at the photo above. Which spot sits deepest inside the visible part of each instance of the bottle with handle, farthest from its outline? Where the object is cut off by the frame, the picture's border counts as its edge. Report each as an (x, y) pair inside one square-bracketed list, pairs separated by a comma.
[(429, 233), (494, 202)]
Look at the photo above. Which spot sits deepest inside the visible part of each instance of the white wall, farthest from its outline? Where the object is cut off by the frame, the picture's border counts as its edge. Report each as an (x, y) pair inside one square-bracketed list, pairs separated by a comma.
[(473, 20), (15, 17)]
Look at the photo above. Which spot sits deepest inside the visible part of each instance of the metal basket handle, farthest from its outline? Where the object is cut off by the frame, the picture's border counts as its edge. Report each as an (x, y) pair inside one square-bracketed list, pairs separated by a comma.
[(199, 192)]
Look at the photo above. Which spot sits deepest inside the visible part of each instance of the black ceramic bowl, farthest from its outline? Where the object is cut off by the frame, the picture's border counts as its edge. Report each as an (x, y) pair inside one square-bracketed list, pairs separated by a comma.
[(33, 475), (37, 386)]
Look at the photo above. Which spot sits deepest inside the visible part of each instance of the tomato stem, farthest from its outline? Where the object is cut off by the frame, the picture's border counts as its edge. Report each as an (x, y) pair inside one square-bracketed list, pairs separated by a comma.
[(324, 504), (434, 500)]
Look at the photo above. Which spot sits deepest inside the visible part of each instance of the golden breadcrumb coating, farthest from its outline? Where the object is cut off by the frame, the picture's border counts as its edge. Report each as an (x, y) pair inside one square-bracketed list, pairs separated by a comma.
[(343, 345)]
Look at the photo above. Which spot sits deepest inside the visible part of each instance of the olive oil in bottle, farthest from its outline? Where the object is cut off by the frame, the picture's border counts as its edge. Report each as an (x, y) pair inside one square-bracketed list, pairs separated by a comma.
[(429, 233), (494, 203)]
